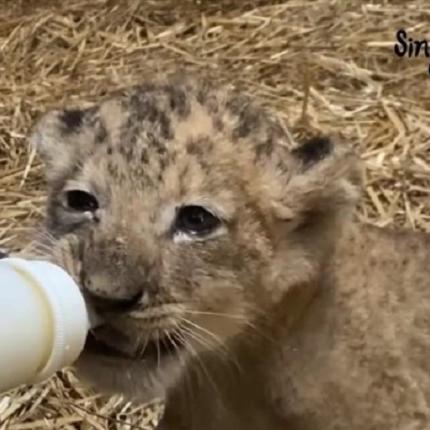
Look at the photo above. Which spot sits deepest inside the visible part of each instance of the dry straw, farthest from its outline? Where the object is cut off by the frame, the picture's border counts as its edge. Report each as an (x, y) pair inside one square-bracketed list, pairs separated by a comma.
[(335, 58)]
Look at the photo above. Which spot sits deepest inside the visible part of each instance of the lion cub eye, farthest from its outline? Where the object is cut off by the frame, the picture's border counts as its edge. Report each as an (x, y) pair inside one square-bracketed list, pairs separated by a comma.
[(195, 220), (81, 201)]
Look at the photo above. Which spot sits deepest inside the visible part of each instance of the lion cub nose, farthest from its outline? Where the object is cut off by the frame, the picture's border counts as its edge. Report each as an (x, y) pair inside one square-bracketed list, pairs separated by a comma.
[(103, 304), (110, 293)]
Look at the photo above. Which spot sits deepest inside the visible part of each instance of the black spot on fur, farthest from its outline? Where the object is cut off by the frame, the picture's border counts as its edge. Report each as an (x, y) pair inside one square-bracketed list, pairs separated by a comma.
[(161, 149), (178, 101), (212, 104), (201, 97), (248, 122), (146, 88), (193, 147), (248, 118), (313, 151), (112, 169), (101, 133), (144, 156), (218, 124), (3, 253), (147, 111), (237, 104), (72, 119), (164, 162), (204, 165), (199, 147), (165, 128), (127, 151), (156, 143)]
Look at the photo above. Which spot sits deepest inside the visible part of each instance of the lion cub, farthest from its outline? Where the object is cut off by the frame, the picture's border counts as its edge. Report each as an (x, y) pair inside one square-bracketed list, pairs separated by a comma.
[(229, 269)]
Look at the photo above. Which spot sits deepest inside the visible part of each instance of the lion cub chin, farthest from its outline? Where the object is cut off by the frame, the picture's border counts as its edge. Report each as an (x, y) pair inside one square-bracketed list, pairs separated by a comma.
[(229, 268)]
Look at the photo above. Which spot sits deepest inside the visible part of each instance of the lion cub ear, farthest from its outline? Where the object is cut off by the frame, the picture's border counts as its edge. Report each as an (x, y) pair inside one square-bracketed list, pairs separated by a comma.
[(325, 178), (60, 137)]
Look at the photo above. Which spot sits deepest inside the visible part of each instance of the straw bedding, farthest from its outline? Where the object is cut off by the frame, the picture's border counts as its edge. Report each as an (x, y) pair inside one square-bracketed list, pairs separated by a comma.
[(325, 65)]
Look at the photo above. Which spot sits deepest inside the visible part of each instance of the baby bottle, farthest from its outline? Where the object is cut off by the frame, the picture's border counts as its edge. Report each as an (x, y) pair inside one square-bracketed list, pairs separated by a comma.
[(44, 321)]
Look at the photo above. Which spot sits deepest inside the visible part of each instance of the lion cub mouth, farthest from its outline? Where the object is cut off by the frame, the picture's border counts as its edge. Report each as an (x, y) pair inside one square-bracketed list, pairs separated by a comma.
[(154, 349)]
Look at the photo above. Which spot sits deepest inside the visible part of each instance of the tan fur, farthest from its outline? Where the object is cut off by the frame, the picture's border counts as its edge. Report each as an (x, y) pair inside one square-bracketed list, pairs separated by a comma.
[(296, 316)]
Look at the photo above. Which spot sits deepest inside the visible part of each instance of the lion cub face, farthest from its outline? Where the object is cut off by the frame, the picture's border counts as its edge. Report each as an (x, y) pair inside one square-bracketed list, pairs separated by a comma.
[(180, 209)]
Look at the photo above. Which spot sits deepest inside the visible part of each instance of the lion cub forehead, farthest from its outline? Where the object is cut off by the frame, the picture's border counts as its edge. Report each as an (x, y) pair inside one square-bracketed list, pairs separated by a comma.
[(169, 114), (146, 129)]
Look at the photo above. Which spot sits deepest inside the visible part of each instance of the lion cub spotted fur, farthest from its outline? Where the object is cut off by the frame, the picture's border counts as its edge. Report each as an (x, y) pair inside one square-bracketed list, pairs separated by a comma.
[(229, 269)]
